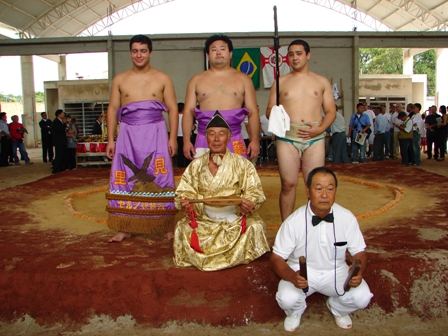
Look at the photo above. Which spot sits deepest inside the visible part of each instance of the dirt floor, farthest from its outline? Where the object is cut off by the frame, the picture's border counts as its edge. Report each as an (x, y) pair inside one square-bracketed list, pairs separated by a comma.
[(59, 276)]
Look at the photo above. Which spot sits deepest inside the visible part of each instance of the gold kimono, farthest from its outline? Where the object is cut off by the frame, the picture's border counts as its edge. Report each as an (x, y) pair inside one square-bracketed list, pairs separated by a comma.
[(221, 238)]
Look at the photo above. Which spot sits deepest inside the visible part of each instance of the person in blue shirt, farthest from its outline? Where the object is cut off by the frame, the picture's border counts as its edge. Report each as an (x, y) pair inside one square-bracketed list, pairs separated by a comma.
[(359, 123)]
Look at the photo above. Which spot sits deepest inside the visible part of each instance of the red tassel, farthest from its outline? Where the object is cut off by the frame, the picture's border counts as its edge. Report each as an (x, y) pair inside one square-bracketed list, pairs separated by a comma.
[(194, 239), (194, 242), (193, 222), (243, 224)]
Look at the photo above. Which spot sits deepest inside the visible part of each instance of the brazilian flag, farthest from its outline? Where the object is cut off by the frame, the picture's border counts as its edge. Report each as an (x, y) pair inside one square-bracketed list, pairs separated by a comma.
[(247, 60)]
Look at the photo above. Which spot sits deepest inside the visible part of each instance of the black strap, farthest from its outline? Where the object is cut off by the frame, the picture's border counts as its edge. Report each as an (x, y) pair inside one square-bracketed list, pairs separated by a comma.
[(358, 122)]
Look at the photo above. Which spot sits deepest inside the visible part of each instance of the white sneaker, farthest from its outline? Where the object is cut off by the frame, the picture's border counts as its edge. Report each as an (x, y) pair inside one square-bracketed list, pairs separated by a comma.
[(344, 322), (292, 322)]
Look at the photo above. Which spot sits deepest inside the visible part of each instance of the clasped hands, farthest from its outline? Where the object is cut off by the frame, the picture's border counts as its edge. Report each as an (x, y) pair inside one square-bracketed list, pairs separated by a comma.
[(300, 282), (312, 132)]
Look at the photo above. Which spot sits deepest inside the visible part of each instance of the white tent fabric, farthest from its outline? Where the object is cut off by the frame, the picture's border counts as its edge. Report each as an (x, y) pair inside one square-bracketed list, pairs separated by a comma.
[(56, 18)]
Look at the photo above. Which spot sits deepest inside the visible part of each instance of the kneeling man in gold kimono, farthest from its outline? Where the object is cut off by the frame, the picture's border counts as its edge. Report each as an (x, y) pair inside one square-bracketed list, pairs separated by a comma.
[(217, 237)]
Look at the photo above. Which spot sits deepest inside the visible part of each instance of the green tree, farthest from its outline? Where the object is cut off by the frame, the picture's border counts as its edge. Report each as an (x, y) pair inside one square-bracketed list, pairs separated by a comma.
[(40, 97), (389, 61), (380, 61), (10, 98), (425, 63)]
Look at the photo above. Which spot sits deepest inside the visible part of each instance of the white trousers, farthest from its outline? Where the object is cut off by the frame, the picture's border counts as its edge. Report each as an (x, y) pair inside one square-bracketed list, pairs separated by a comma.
[(293, 300)]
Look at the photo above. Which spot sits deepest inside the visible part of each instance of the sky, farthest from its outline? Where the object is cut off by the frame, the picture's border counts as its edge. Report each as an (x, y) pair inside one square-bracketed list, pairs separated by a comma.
[(208, 17)]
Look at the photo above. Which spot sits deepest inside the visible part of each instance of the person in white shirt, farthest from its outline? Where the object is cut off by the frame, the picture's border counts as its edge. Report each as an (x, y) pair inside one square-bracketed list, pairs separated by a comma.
[(423, 142), (380, 128), (182, 161), (339, 144), (265, 125), (416, 126), (395, 121), (265, 142), (405, 137), (323, 232), (388, 135), (5, 148)]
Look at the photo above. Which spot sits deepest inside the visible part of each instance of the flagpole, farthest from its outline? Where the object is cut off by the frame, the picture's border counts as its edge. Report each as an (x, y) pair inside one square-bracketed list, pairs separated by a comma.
[(277, 65)]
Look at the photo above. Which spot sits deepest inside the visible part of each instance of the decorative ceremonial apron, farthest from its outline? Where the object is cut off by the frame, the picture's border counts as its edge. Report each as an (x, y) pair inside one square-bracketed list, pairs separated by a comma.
[(234, 118), (141, 197)]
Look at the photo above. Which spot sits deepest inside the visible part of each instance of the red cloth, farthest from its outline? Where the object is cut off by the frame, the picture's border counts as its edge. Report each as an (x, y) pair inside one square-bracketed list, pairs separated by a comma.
[(13, 128), (243, 224), (102, 146), (94, 148), (81, 148), (194, 239)]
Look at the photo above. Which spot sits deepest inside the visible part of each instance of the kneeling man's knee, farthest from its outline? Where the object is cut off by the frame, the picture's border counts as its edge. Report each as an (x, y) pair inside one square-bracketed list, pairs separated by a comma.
[(287, 301), (362, 296), (363, 300)]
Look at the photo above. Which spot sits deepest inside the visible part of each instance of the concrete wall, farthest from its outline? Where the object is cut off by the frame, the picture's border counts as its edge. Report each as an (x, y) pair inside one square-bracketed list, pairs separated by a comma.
[(79, 91), (59, 92), (386, 86), (14, 108), (419, 88), (51, 98)]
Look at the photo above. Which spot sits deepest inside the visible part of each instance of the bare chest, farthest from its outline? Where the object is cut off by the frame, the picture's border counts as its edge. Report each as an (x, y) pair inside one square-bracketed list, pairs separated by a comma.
[(138, 89), (302, 99), (301, 90), (227, 92)]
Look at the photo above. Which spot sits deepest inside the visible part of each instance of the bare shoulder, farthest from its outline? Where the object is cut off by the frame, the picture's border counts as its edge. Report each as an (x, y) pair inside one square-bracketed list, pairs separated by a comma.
[(160, 74), (320, 78), (122, 76), (242, 77), (198, 77), (285, 78)]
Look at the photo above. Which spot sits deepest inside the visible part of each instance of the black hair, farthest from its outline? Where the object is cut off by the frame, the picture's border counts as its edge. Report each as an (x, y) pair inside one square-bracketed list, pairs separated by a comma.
[(418, 105), (401, 115), (42, 113), (142, 39), (218, 37), (323, 170), (359, 104), (303, 43), (443, 109), (58, 112), (2, 114)]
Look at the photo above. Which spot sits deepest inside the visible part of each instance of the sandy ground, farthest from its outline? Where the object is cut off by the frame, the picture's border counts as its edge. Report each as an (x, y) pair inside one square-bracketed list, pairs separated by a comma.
[(359, 198)]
